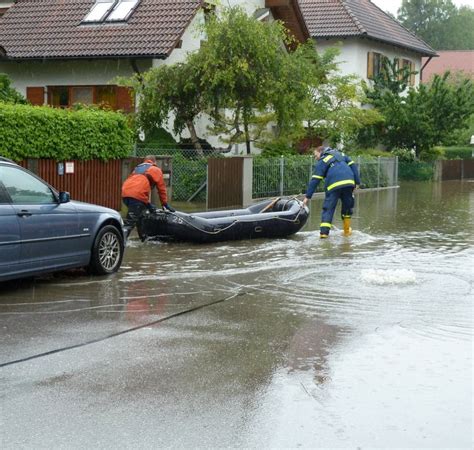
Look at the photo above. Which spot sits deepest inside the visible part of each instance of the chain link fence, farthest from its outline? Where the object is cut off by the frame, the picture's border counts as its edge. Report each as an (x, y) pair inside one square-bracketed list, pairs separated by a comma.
[(189, 170), (290, 175), (272, 177)]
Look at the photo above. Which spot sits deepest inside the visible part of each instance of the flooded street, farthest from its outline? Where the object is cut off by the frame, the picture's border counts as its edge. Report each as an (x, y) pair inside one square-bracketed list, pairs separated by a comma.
[(353, 342)]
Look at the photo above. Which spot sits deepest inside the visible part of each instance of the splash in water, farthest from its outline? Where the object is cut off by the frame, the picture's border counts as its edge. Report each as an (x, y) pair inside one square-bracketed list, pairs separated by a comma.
[(380, 276)]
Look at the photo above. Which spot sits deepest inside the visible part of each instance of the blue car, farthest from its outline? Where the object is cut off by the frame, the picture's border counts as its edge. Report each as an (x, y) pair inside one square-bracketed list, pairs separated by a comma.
[(42, 230)]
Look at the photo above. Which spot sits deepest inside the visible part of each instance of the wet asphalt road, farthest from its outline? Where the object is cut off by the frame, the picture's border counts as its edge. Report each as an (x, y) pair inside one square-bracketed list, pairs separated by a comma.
[(297, 343)]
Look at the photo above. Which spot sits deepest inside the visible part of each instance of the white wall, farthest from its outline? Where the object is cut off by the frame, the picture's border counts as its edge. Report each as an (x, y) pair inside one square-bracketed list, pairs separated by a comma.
[(60, 73), (353, 57), (191, 42)]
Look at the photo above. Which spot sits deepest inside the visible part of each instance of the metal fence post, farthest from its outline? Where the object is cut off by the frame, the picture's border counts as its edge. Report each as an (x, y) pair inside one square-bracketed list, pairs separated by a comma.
[(282, 173), (396, 170), (378, 171), (359, 169)]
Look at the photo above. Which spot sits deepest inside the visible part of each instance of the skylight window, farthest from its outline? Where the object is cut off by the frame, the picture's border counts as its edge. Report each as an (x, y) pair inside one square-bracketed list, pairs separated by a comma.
[(100, 10), (122, 10)]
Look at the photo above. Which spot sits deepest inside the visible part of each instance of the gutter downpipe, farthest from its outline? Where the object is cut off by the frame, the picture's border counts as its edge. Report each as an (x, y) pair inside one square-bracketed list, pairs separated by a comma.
[(424, 65)]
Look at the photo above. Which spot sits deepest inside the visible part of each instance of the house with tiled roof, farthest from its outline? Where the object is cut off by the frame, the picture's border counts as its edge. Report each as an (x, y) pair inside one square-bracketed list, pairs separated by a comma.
[(366, 34), (456, 61), (61, 52)]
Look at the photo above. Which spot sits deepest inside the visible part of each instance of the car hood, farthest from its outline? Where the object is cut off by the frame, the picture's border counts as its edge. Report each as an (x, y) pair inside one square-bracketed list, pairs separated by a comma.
[(90, 208)]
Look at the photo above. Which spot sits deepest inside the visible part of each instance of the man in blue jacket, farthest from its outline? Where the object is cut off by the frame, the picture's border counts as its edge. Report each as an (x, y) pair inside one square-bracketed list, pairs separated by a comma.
[(341, 178)]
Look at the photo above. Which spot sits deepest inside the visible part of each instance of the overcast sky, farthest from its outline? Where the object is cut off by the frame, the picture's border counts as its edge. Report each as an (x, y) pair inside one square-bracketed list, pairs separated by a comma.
[(393, 5)]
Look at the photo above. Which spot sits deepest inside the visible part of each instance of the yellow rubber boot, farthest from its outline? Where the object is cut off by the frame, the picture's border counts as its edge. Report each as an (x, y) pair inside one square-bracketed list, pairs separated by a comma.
[(347, 226)]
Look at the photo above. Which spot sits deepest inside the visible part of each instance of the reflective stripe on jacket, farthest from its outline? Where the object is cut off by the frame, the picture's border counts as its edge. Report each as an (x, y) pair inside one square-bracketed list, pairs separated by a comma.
[(337, 169), (142, 180)]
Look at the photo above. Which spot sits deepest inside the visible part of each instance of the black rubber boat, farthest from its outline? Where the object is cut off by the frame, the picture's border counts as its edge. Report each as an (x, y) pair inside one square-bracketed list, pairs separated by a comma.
[(268, 219)]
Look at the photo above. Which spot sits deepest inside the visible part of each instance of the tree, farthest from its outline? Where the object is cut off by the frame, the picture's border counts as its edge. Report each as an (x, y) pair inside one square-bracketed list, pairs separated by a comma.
[(7, 93), (392, 77), (439, 23), (334, 112), (459, 31), (426, 115), (251, 80), (171, 90)]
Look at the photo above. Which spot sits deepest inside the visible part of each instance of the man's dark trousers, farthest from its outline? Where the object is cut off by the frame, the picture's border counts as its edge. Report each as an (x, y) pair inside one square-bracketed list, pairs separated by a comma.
[(136, 209), (330, 203)]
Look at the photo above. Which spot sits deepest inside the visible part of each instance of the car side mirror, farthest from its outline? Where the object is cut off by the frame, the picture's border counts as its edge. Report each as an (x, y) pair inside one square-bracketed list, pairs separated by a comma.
[(64, 197)]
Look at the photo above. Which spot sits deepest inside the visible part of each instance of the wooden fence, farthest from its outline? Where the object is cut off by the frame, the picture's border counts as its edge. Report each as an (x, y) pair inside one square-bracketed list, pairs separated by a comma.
[(455, 169), (229, 182), (93, 181), (87, 181)]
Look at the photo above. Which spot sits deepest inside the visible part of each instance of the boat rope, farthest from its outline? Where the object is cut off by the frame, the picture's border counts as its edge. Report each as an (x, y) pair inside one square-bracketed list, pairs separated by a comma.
[(220, 230), (120, 333)]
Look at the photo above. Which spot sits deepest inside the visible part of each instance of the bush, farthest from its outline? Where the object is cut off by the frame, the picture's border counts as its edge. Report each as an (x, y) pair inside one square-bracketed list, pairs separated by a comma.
[(432, 154), (188, 176), (44, 132), (370, 152), (7, 93), (404, 154), (458, 152), (159, 137), (276, 149), (415, 171), (267, 175), (370, 176)]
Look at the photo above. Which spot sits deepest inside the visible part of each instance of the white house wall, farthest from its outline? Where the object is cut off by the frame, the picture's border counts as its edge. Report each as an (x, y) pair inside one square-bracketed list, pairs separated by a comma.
[(190, 42), (67, 73), (353, 57)]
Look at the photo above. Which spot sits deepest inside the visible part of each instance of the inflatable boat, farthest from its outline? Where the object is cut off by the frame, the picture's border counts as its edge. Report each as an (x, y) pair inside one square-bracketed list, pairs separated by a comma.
[(276, 218)]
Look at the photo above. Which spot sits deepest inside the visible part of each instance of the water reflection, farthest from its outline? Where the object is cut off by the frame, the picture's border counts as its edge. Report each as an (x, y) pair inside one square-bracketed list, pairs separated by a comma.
[(360, 341)]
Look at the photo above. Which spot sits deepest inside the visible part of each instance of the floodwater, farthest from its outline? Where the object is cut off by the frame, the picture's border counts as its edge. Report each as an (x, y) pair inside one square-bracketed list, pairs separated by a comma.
[(353, 342)]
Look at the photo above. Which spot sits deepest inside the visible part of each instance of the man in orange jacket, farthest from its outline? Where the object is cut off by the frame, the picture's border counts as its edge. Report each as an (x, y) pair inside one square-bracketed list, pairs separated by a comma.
[(136, 192)]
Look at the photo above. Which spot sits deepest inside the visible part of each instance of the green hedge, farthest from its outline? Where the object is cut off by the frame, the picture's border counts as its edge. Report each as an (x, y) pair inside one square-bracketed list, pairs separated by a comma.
[(458, 152), (416, 171), (44, 132)]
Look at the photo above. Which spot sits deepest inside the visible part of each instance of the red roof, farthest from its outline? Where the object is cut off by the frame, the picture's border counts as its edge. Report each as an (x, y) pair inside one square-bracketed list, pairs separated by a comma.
[(53, 29), (452, 60), (47, 29), (346, 18)]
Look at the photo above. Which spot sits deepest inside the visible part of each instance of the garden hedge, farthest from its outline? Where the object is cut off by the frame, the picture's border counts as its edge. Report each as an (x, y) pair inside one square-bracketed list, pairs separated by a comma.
[(458, 152), (43, 132)]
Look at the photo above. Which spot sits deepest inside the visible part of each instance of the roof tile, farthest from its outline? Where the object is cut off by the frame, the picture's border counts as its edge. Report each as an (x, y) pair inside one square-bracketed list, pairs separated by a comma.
[(48, 29), (345, 18)]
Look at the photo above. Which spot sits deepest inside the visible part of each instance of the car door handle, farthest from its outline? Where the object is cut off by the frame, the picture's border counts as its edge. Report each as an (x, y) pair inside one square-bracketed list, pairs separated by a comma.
[(24, 213)]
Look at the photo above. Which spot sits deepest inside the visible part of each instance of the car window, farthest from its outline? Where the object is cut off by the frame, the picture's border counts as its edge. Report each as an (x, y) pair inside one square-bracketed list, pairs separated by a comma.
[(24, 188)]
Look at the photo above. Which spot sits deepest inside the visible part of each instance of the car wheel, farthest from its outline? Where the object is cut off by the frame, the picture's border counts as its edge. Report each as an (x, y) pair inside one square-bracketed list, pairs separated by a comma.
[(107, 251)]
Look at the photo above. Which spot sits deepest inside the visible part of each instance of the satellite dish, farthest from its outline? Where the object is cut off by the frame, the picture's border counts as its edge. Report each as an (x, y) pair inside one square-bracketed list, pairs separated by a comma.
[(141, 135)]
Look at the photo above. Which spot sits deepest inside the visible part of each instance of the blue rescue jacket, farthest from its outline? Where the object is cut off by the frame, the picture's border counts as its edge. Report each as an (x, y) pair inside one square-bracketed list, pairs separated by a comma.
[(337, 169)]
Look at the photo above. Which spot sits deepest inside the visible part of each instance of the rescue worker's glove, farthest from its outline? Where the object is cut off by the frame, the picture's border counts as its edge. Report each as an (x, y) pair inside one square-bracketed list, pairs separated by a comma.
[(151, 208), (169, 208)]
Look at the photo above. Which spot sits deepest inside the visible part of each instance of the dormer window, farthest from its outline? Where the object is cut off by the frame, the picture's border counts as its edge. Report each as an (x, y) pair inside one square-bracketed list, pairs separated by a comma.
[(111, 11)]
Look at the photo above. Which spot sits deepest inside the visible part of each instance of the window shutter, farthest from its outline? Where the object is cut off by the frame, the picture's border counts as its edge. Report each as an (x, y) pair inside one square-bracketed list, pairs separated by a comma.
[(412, 76), (125, 100), (370, 65), (35, 95)]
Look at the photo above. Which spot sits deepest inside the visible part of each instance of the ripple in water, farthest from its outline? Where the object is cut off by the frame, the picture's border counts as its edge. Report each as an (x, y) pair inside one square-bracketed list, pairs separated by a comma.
[(383, 277)]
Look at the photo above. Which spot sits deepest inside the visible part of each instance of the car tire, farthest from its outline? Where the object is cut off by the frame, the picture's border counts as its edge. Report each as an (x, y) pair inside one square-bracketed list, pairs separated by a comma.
[(107, 251)]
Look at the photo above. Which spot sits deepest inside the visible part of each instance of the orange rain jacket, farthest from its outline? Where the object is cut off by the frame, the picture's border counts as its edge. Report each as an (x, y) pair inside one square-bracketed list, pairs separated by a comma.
[(142, 180)]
